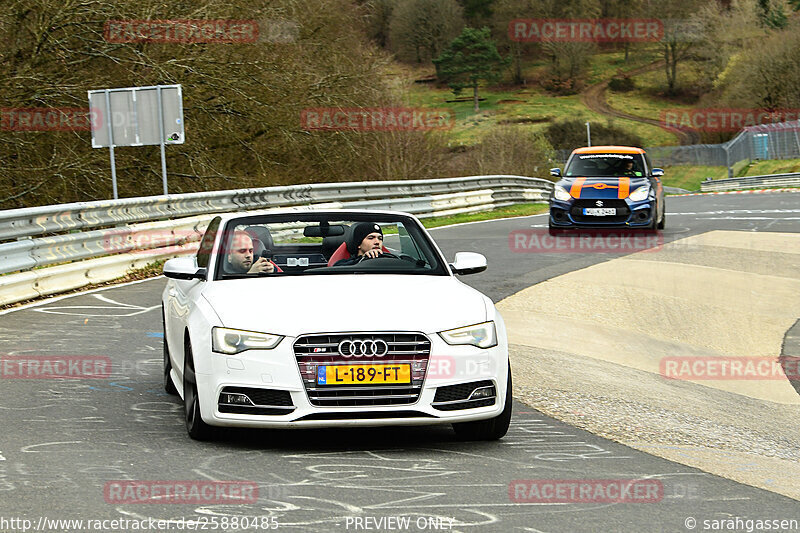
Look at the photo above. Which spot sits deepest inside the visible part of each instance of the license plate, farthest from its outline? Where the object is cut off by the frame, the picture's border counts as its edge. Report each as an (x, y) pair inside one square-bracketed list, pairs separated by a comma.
[(600, 211), (363, 374)]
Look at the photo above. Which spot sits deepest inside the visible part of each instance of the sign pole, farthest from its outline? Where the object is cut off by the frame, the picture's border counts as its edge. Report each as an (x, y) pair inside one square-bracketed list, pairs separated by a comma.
[(161, 131), (109, 119), (131, 121)]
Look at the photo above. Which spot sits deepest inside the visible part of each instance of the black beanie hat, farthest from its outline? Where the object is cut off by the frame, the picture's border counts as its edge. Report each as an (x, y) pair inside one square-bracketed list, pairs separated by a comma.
[(361, 230)]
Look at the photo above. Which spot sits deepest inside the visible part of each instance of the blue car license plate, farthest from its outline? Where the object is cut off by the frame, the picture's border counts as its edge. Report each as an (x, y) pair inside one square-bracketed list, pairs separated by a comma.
[(600, 211)]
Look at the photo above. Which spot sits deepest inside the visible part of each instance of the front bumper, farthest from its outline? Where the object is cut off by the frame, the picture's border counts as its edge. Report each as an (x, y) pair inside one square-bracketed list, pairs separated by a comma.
[(568, 214), (286, 401)]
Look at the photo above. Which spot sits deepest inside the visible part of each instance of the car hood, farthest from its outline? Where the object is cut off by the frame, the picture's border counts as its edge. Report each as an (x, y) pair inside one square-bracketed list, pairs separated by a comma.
[(602, 188), (293, 305)]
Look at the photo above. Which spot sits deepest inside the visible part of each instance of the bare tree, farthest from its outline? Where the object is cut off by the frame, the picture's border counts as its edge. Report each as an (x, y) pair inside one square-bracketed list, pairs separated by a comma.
[(242, 101), (569, 59), (421, 29), (505, 11), (379, 15), (767, 76), (723, 33), (622, 9), (675, 46)]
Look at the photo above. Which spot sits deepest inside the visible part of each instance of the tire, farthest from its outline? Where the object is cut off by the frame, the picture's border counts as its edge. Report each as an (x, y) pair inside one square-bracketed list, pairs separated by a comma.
[(169, 386), (663, 221), (195, 426), (653, 223), (491, 429)]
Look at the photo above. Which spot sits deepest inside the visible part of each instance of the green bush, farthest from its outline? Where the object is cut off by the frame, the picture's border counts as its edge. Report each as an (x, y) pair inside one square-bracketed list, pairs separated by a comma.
[(511, 150), (571, 134), (622, 84)]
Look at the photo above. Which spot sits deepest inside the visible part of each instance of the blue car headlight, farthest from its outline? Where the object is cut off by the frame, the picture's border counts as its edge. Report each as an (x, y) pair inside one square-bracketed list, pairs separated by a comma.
[(640, 194), (560, 193)]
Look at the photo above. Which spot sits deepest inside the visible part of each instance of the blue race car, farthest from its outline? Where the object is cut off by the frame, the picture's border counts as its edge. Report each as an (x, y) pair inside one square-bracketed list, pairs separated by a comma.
[(607, 187)]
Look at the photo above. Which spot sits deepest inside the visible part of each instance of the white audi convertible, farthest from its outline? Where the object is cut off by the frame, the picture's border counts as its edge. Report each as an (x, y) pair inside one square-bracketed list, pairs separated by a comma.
[(298, 319)]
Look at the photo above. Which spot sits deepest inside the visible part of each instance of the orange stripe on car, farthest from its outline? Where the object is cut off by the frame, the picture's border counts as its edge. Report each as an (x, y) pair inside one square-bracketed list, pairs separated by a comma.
[(600, 186), (575, 190), (624, 188)]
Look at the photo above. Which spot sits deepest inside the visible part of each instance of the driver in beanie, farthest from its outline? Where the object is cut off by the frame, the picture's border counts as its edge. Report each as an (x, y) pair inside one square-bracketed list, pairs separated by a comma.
[(366, 242)]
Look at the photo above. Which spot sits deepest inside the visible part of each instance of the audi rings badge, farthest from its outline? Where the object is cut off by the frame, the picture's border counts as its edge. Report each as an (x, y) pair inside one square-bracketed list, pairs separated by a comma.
[(363, 348)]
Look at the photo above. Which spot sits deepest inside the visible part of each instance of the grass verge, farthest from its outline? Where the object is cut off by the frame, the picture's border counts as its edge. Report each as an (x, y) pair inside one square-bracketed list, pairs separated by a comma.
[(690, 177), (771, 166), (518, 210)]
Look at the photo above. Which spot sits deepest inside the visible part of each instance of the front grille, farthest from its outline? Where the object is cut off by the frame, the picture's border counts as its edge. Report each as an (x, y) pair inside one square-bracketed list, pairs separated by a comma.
[(264, 401), (623, 211), (369, 415), (312, 351), (453, 397)]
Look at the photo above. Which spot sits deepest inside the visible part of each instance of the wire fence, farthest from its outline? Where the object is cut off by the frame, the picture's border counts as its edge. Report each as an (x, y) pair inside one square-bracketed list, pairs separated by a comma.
[(780, 140)]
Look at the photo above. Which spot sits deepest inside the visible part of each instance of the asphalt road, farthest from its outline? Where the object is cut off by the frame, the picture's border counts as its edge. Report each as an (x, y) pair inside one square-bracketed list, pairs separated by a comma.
[(63, 441)]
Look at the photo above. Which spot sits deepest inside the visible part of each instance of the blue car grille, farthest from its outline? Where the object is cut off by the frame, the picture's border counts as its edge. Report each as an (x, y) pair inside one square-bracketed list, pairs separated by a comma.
[(623, 211)]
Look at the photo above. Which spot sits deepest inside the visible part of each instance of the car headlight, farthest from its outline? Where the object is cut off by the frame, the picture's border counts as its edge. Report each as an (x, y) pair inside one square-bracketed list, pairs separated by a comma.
[(640, 194), (560, 193), (480, 335), (232, 341)]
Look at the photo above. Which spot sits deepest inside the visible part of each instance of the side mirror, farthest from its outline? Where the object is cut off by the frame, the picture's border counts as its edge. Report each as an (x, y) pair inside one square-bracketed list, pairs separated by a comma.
[(184, 268), (468, 263), (555, 172), (658, 172)]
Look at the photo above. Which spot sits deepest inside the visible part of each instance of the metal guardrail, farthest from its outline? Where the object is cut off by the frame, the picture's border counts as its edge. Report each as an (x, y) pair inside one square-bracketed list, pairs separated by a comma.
[(752, 182), (17, 223), (100, 241)]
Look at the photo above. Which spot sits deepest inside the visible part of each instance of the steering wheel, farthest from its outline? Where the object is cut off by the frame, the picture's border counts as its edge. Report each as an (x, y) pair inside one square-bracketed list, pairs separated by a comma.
[(385, 254)]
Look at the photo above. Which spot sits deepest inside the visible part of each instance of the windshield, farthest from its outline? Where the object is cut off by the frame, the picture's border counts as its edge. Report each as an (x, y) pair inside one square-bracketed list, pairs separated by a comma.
[(306, 244), (605, 165)]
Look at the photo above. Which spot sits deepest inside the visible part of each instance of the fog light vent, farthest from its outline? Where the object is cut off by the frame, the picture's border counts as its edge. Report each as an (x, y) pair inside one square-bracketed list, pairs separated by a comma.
[(235, 399), (483, 392)]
